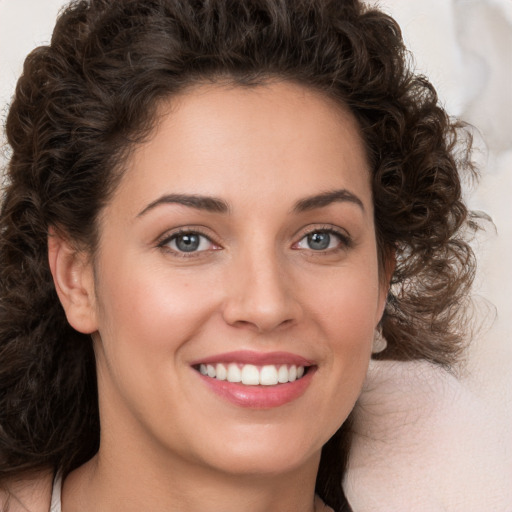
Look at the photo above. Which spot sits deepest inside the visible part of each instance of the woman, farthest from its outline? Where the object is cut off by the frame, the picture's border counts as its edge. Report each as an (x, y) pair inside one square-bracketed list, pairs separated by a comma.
[(213, 209)]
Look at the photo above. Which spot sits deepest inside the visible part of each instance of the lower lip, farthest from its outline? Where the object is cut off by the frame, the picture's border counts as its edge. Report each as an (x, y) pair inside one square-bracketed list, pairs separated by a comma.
[(259, 397)]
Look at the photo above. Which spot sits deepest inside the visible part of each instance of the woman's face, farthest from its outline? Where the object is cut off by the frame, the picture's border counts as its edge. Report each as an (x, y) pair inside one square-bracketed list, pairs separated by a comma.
[(241, 244)]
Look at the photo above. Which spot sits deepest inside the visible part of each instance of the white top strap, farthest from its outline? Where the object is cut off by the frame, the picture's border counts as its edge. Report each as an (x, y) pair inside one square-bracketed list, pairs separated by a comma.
[(55, 505)]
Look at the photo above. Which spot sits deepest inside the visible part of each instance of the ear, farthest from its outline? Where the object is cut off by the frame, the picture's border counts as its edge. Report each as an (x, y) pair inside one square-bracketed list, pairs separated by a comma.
[(74, 281)]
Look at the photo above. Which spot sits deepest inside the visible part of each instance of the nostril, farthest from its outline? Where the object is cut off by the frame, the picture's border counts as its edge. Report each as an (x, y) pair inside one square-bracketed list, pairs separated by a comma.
[(261, 299)]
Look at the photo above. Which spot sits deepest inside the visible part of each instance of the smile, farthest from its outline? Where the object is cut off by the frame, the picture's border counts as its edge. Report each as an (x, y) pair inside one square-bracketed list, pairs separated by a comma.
[(252, 375), (256, 380)]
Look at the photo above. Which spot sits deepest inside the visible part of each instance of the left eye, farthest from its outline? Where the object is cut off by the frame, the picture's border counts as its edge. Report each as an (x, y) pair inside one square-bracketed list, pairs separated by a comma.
[(320, 241), (188, 242)]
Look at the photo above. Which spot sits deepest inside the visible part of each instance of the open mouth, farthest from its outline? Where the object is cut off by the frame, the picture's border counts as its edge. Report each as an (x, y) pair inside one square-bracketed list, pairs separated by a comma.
[(253, 375), (256, 380)]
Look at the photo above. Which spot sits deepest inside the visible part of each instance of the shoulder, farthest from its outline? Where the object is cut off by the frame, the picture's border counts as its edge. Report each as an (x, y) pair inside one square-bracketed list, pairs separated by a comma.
[(27, 493)]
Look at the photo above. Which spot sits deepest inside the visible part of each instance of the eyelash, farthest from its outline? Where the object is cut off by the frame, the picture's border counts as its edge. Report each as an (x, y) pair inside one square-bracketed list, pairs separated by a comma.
[(169, 237), (345, 241)]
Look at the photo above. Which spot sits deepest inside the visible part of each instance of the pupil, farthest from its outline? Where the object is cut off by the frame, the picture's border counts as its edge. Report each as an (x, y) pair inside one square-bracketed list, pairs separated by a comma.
[(187, 243), (319, 241)]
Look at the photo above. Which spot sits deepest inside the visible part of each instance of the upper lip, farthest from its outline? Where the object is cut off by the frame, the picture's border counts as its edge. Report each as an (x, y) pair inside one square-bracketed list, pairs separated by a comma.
[(255, 358)]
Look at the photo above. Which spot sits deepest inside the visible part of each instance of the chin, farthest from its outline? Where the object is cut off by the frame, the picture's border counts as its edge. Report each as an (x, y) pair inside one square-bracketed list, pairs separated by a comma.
[(243, 465), (272, 455)]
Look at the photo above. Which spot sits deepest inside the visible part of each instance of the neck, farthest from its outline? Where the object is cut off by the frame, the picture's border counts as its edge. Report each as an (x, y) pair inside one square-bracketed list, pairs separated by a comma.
[(103, 485)]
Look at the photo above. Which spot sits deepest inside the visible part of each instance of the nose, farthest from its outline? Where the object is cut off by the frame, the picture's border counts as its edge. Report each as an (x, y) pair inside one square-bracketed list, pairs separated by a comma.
[(260, 294)]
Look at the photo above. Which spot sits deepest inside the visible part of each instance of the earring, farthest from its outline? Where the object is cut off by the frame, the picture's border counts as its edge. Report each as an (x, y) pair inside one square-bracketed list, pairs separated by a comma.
[(379, 342)]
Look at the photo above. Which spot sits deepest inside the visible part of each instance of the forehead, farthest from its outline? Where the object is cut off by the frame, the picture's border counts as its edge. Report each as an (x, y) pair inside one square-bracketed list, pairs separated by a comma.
[(254, 141)]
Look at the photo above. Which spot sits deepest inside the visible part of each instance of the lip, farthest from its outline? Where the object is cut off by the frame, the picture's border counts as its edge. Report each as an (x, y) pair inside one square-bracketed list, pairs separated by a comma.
[(258, 397), (255, 358)]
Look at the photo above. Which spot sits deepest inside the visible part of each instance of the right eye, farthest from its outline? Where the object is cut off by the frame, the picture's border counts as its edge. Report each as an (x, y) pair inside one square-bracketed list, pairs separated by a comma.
[(187, 242)]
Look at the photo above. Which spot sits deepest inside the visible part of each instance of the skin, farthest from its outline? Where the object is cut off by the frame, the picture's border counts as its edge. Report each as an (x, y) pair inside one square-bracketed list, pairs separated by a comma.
[(254, 284)]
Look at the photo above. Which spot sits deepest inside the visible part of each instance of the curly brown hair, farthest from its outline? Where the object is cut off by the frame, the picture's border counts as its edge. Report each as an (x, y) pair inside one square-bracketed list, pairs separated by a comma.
[(84, 100)]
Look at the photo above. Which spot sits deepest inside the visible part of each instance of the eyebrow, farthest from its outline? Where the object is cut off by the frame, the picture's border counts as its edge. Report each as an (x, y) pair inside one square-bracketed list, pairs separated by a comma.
[(325, 199), (216, 205), (207, 203)]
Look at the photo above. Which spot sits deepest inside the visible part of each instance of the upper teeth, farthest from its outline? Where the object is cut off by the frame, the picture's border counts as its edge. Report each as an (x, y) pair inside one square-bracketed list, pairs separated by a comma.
[(252, 375)]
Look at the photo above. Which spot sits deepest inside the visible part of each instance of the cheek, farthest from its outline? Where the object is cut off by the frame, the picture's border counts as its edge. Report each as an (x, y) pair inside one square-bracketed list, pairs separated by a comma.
[(347, 310), (151, 310), (146, 321), (348, 304)]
